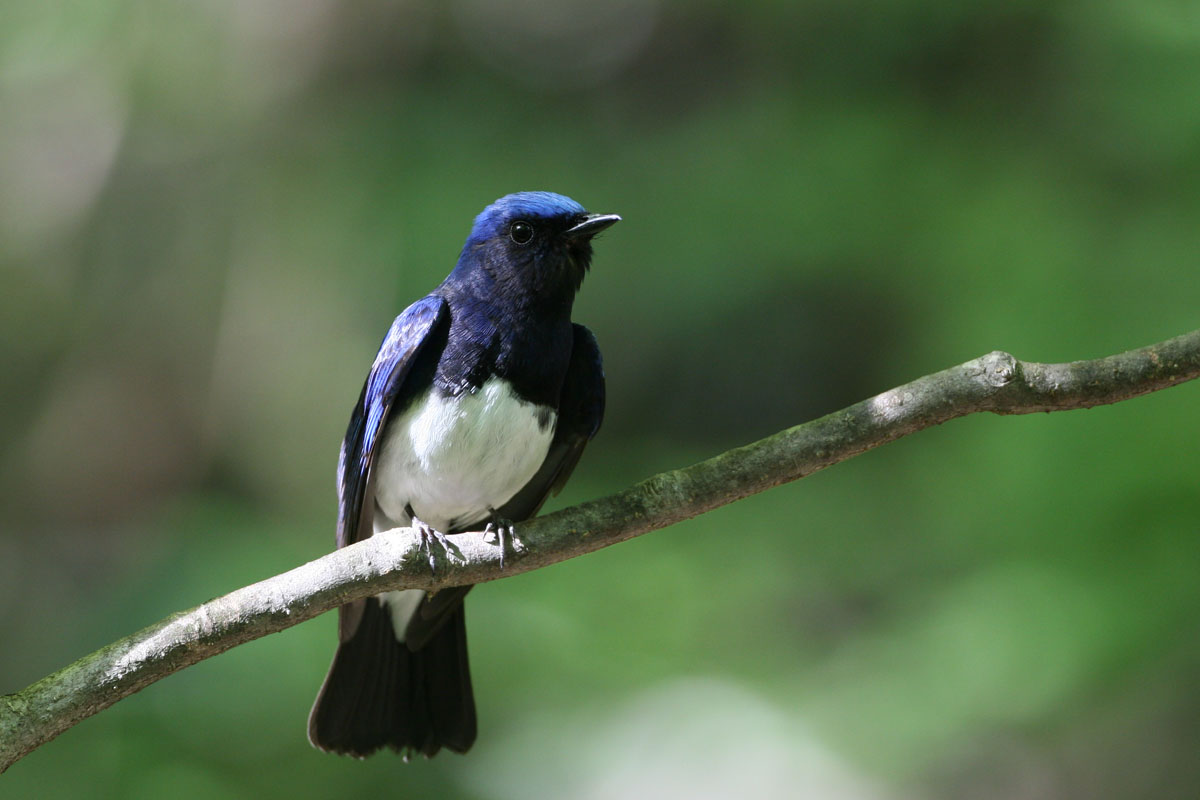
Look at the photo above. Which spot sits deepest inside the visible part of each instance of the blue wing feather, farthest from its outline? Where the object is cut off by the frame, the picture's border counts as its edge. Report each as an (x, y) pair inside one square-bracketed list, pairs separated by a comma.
[(403, 343)]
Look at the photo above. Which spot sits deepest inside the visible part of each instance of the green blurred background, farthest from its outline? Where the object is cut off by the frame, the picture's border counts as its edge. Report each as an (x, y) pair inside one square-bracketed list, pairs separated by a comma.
[(211, 211)]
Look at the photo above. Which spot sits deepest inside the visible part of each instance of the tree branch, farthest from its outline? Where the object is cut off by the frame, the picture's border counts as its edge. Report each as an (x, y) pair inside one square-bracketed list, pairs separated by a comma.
[(996, 382)]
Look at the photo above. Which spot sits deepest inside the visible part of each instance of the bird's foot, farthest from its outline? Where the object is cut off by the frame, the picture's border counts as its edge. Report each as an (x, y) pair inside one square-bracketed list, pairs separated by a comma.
[(428, 537), (497, 531)]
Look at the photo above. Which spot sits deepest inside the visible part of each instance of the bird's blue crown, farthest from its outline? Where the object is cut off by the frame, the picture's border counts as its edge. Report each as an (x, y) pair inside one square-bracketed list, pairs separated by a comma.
[(521, 205)]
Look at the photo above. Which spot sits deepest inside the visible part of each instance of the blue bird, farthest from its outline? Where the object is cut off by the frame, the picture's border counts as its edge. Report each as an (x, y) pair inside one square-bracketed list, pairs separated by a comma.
[(477, 408)]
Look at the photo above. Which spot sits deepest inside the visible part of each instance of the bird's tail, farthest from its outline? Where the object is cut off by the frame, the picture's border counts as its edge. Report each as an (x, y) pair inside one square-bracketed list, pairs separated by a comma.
[(378, 693)]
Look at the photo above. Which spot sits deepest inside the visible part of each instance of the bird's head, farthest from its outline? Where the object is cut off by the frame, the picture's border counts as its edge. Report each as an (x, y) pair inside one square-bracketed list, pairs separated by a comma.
[(533, 246)]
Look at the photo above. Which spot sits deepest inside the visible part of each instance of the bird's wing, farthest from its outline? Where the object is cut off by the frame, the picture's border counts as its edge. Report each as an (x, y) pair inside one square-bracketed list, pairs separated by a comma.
[(580, 411), (356, 484)]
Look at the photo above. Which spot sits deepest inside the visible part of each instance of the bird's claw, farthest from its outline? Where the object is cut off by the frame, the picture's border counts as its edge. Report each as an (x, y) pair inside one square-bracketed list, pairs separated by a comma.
[(428, 536), (497, 531)]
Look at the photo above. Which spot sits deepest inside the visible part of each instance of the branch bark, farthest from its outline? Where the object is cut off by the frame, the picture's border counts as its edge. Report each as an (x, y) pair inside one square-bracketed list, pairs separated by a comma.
[(996, 382)]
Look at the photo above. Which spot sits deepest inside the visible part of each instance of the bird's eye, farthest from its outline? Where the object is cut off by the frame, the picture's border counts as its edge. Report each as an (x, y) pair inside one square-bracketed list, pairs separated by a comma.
[(520, 232)]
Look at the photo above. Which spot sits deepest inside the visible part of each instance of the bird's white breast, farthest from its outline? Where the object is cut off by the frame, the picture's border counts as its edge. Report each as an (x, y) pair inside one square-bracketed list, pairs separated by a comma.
[(455, 459)]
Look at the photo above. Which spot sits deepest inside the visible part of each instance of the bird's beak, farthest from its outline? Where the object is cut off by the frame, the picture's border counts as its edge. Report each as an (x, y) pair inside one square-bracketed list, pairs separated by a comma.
[(591, 225)]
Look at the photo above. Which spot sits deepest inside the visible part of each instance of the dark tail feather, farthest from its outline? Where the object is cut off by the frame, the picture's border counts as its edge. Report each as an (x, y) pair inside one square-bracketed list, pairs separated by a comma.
[(378, 693)]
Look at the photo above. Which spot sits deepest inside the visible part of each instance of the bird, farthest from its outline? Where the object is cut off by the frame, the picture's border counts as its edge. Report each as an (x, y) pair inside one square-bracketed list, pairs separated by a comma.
[(478, 405)]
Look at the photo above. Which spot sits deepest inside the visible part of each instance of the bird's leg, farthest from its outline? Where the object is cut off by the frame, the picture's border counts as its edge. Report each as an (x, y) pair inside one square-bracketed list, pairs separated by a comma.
[(428, 536), (497, 531)]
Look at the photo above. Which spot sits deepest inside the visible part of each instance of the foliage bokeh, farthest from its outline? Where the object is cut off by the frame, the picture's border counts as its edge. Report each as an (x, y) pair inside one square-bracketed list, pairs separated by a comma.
[(210, 212)]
